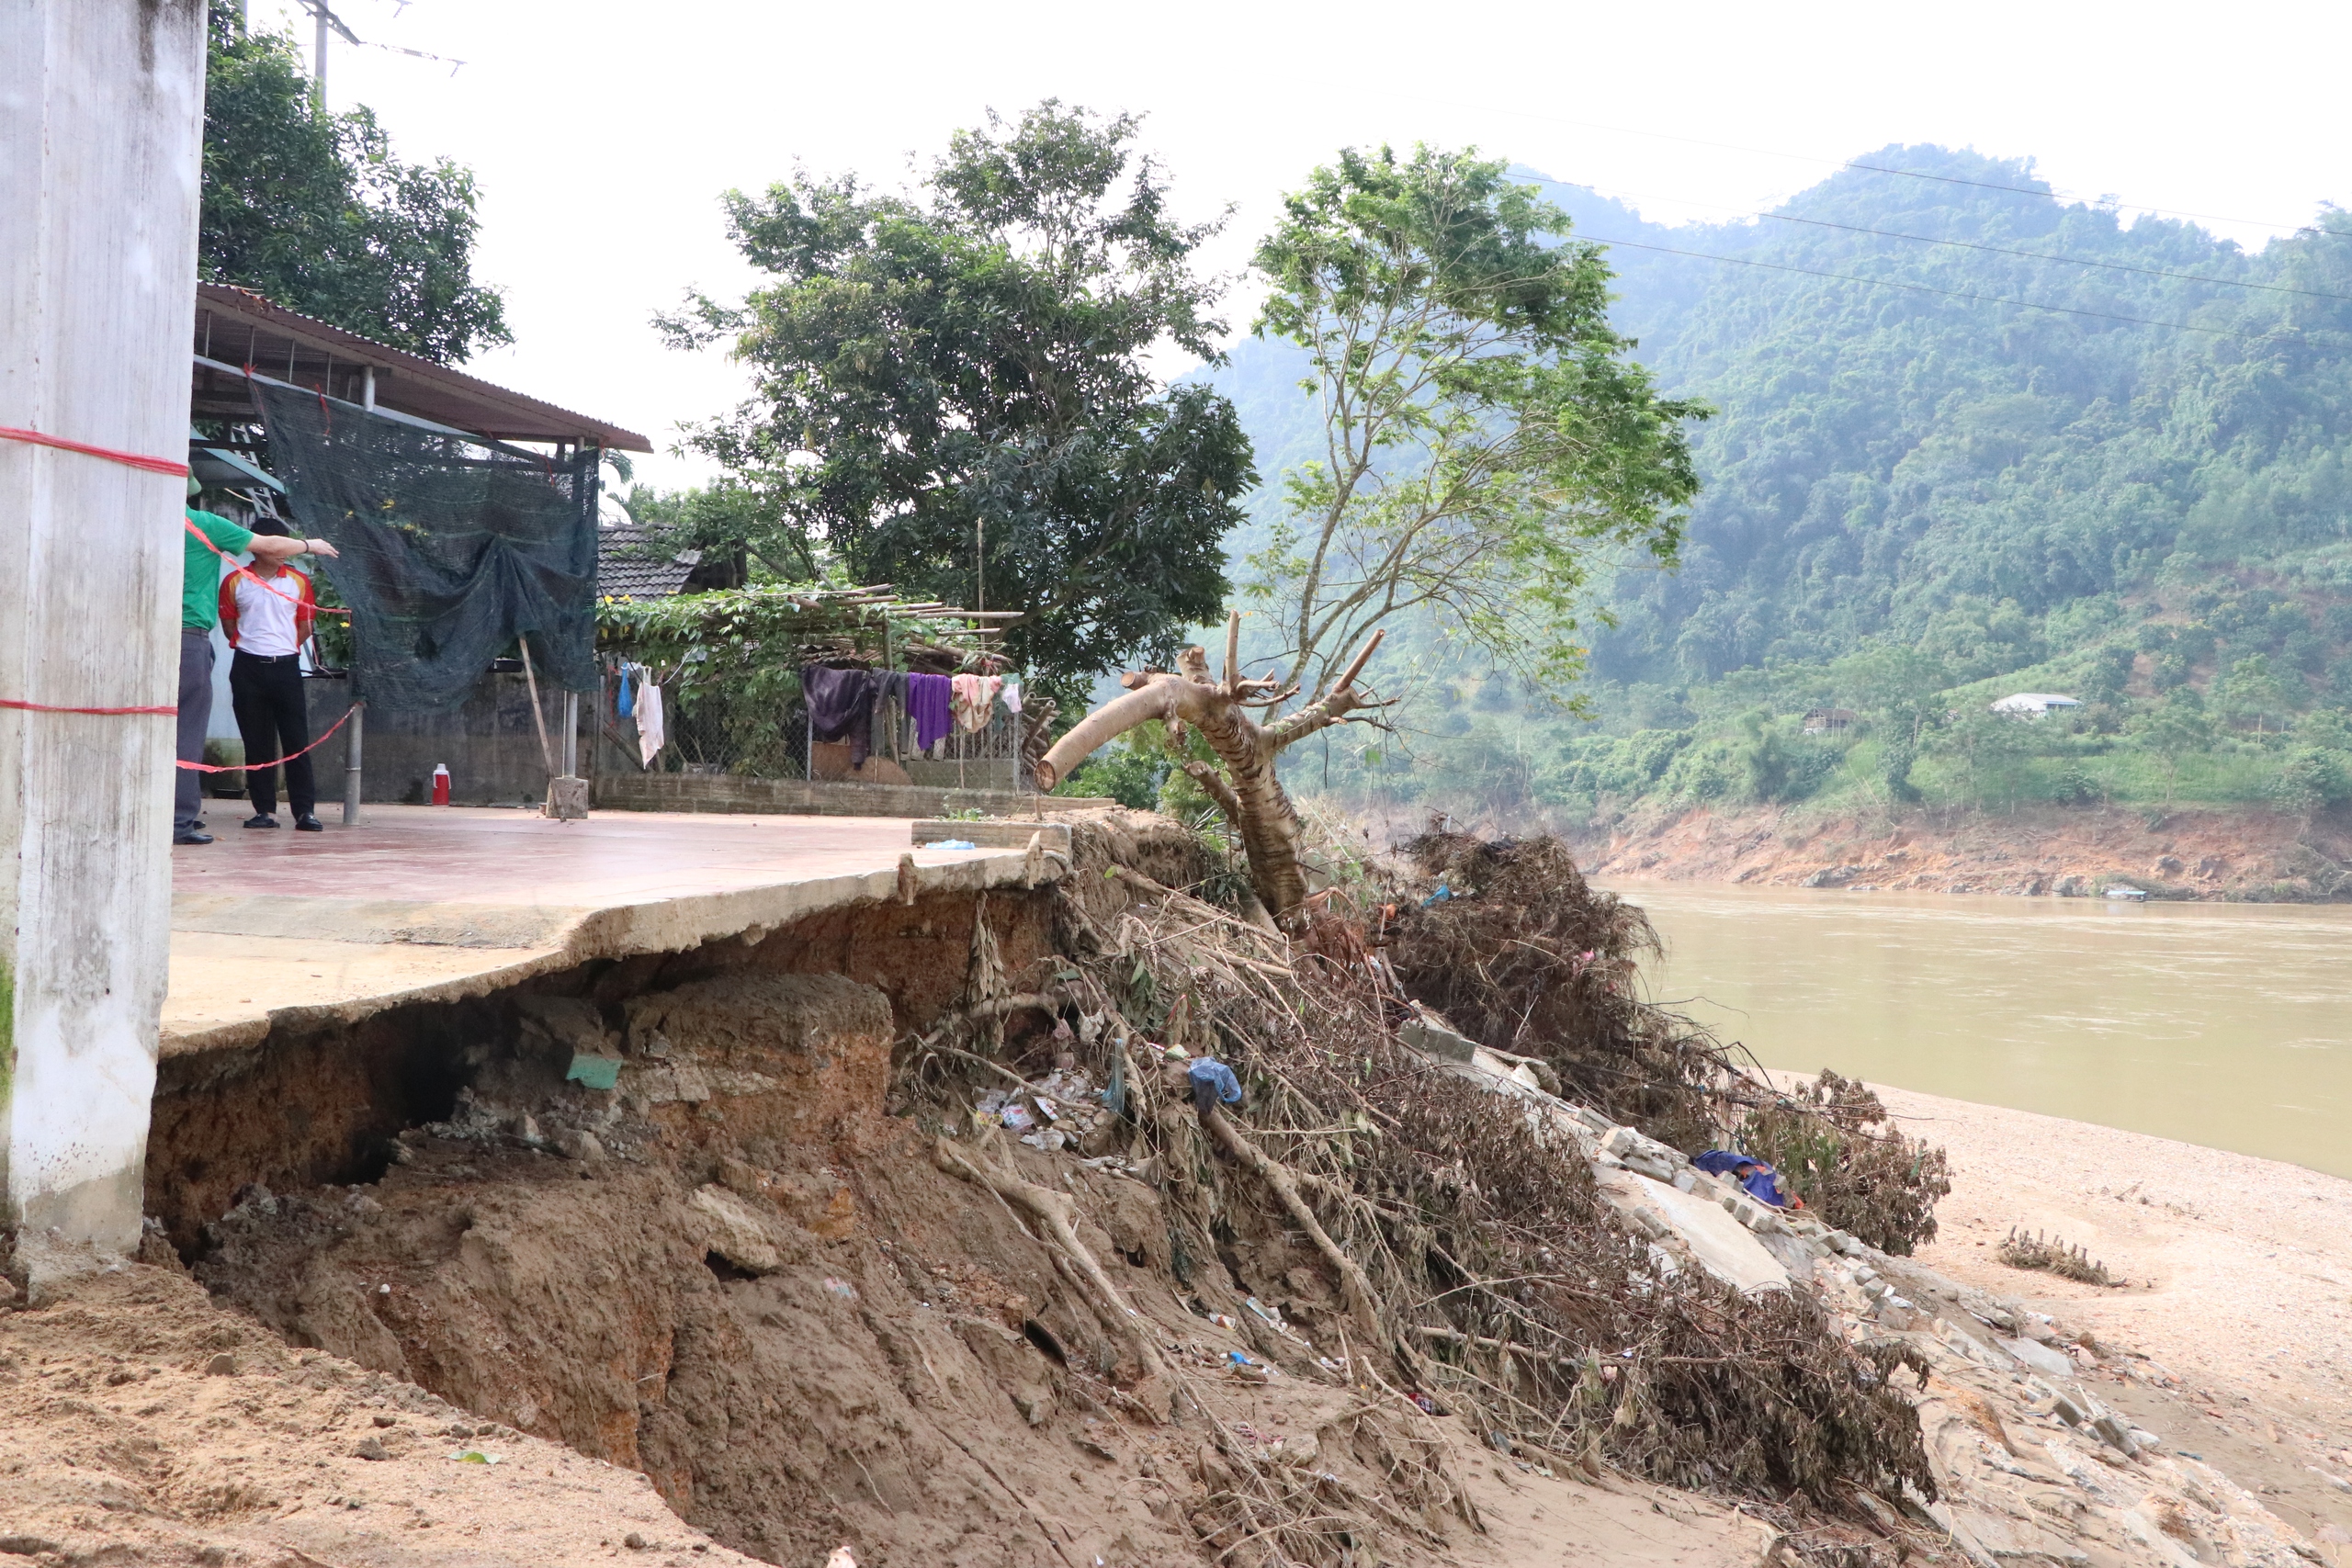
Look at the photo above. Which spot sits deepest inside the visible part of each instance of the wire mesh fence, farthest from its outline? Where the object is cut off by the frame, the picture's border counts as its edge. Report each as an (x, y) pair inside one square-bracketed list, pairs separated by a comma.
[(712, 729)]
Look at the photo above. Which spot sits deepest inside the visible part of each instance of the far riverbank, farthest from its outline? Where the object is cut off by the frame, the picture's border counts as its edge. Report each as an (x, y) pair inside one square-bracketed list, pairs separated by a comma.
[(2246, 855)]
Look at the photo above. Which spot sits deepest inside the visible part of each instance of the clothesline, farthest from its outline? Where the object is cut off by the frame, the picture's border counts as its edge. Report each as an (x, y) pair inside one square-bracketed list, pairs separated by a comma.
[(842, 703)]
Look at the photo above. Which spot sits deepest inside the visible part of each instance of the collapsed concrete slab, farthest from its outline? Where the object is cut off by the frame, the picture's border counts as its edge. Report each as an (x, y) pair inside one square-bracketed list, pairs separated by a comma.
[(1690, 1215)]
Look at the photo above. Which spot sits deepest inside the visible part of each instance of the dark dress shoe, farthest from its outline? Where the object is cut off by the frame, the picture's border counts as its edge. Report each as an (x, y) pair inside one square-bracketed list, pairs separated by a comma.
[(309, 824), (191, 838), (261, 820)]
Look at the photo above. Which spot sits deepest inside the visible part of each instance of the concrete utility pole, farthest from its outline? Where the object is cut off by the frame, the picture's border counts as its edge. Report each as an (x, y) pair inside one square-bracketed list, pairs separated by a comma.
[(101, 131), (319, 60)]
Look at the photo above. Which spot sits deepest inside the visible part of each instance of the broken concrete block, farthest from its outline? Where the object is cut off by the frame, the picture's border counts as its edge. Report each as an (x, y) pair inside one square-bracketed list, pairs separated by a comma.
[(1719, 1244), (2040, 1358), (1434, 1039), (735, 1231)]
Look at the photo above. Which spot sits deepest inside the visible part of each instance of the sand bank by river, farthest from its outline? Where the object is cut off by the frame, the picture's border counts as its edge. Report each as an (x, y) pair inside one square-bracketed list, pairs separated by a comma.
[(2241, 1271), (2242, 1266)]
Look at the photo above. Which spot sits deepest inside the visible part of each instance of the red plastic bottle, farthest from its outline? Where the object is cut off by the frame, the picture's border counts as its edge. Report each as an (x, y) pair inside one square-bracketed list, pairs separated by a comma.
[(440, 783)]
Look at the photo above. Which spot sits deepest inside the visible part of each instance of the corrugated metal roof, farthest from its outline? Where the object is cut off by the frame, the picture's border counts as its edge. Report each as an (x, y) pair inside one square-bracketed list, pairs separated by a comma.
[(237, 326)]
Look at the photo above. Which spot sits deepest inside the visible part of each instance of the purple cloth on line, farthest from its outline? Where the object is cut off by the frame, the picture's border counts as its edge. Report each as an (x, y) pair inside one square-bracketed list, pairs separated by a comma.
[(928, 703), (840, 706)]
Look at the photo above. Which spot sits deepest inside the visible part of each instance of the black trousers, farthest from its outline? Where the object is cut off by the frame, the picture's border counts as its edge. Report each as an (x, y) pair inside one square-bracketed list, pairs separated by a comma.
[(274, 720)]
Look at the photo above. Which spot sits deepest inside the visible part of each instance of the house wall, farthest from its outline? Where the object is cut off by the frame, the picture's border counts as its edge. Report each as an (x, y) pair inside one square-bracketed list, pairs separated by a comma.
[(490, 743)]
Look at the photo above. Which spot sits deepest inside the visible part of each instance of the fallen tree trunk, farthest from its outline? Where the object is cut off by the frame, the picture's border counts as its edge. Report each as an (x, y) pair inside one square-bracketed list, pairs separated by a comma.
[(1249, 792)]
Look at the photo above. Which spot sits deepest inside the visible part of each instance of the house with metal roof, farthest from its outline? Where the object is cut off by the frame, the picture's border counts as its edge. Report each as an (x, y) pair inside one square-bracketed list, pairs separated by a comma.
[(2035, 705), (244, 344)]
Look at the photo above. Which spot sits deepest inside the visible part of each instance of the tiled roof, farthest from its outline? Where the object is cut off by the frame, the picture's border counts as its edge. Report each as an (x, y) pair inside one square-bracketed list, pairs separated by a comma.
[(623, 569)]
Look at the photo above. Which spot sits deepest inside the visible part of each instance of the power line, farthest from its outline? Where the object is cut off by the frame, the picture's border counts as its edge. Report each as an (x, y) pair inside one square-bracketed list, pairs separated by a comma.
[(1922, 288), (1906, 174), (2054, 196), (2043, 255), (1976, 245)]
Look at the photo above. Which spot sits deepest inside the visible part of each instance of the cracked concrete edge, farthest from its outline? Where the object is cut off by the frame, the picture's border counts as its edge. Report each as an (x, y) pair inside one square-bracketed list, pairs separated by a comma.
[(665, 925)]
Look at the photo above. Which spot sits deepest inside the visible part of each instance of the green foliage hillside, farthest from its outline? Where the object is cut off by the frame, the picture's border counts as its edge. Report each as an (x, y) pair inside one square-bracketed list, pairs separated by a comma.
[(1915, 503)]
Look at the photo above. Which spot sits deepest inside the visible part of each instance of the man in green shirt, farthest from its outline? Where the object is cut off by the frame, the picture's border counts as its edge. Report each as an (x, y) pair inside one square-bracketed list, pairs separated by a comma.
[(207, 538)]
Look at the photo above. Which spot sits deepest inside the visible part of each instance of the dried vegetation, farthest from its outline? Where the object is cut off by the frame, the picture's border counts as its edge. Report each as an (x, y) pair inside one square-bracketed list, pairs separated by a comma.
[(2053, 1254), (1474, 1265)]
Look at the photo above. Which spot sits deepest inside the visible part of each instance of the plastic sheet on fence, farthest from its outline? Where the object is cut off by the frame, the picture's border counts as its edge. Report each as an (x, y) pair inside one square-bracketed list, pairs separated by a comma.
[(452, 548)]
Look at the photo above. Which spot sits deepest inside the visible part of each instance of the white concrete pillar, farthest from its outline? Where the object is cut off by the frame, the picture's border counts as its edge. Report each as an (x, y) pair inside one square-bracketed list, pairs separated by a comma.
[(101, 129)]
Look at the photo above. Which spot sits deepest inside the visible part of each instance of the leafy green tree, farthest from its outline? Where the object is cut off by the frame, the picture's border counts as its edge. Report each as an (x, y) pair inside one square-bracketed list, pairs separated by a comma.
[(313, 210), (1905, 725), (2252, 691), (2106, 676), (1987, 747), (2312, 777), (725, 522), (1485, 440), (1129, 771), (2173, 731), (954, 393)]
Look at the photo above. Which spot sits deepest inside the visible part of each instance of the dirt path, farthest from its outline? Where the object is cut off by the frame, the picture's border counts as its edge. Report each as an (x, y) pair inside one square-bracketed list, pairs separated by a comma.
[(140, 1423)]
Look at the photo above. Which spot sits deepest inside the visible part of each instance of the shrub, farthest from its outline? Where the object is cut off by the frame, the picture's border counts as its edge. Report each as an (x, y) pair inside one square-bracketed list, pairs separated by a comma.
[(1832, 1142)]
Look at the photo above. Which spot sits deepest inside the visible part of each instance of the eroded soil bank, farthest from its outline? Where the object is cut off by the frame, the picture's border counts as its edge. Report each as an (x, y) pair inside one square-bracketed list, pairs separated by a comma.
[(2256, 855), (737, 1272), (759, 1281)]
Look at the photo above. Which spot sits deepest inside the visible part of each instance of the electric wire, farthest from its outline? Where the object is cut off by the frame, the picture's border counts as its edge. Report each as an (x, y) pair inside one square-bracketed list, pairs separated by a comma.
[(1915, 173), (1620, 194), (1924, 288), (2043, 255)]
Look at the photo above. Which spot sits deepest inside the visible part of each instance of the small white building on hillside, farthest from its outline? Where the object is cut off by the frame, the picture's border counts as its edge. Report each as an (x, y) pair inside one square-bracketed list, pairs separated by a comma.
[(2035, 705)]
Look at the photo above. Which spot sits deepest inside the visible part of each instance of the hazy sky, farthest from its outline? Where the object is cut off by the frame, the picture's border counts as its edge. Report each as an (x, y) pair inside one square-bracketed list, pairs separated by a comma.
[(603, 133)]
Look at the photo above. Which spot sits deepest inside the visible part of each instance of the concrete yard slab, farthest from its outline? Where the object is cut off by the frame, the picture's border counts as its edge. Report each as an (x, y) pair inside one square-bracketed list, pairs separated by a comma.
[(1722, 1245), (424, 903)]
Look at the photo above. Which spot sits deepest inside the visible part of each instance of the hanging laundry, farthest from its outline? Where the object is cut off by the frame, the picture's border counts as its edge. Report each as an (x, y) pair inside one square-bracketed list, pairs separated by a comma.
[(840, 706), (649, 735), (625, 703), (1011, 695), (930, 703), (975, 701)]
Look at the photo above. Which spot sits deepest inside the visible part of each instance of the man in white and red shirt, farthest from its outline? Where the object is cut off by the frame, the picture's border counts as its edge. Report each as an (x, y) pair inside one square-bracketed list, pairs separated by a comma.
[(267, 609)]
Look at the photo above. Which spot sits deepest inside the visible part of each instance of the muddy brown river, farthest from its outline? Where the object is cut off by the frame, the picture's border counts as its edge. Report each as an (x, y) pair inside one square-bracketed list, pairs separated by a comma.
[(2224, 1024)]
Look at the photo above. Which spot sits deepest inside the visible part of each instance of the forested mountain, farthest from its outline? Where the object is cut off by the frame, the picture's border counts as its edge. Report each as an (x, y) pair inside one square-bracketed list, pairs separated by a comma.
[(1921, 494)]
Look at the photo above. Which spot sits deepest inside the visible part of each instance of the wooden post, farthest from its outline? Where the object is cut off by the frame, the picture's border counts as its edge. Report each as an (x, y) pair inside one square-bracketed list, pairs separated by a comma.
[(102, 127)]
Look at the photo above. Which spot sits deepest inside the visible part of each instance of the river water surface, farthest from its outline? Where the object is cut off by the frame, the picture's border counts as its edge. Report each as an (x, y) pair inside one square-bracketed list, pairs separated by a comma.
[(2222, 1024)]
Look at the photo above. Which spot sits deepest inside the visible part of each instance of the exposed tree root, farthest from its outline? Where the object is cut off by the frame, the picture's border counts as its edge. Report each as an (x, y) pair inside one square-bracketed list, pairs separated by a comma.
[(1363, 1300), (1057, 1216)]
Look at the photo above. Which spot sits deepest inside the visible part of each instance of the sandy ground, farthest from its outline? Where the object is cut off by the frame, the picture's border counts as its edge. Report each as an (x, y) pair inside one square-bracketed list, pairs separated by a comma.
[(2240, 1288), (2241, 1267), (140, 1423)]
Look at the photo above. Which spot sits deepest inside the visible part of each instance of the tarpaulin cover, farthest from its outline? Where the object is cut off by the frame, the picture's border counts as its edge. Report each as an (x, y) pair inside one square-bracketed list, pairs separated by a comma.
[(452, 548)]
